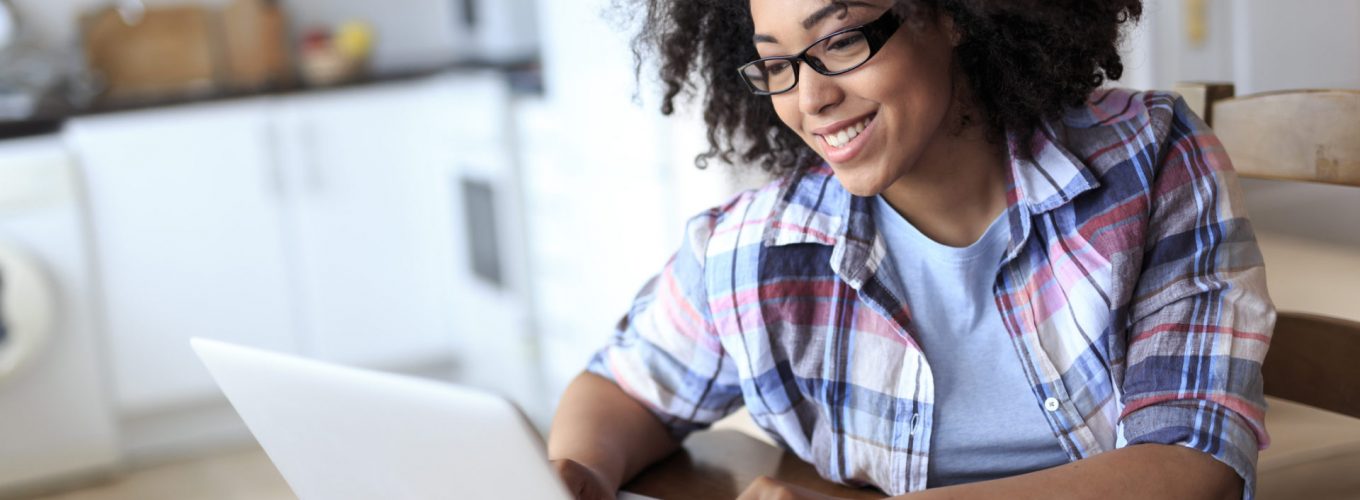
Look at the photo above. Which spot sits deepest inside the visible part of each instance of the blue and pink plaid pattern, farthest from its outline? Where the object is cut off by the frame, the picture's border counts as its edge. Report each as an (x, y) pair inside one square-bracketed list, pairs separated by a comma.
[(1132, 290)]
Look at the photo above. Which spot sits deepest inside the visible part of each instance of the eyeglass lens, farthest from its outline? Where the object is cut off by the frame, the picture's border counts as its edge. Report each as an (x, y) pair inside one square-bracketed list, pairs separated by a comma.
[(836, 54)]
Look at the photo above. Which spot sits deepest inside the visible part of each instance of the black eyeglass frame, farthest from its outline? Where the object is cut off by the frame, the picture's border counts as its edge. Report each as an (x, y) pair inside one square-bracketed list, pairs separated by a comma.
[(876, 33)]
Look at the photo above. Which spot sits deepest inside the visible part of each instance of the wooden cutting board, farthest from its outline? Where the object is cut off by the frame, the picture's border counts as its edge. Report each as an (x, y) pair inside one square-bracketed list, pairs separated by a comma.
[(170, 51), (255, 37)]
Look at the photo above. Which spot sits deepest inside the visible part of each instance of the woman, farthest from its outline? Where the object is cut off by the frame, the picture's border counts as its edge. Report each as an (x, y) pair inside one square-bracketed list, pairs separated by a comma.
[(976, 274)]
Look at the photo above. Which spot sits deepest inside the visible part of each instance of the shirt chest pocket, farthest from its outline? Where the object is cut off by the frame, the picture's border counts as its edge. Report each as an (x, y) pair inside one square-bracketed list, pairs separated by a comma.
[(1064, 301)]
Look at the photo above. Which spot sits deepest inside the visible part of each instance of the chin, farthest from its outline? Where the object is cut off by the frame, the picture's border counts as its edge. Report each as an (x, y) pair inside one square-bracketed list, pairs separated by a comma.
[(860, 181)]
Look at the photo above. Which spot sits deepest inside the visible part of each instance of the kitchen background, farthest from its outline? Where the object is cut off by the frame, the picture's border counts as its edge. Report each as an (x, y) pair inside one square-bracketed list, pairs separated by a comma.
[(470, 190)]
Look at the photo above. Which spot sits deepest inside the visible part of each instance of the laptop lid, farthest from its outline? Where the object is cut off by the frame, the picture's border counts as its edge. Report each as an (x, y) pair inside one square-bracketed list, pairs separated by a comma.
[(336, 432)]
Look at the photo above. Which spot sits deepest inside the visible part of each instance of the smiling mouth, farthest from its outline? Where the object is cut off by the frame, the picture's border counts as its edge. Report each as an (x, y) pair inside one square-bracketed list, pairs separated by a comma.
[(842, 137)]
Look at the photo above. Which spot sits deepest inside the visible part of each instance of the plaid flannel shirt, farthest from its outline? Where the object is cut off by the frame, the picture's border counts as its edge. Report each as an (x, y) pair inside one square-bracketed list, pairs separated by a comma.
[(1132, 290)]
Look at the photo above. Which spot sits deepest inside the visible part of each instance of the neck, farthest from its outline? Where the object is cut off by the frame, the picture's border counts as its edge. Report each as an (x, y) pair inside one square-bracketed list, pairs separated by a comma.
[(958, 186)]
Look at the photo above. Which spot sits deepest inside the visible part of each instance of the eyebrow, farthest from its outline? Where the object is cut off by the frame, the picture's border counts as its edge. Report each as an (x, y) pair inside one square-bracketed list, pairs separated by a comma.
[(816, 17)]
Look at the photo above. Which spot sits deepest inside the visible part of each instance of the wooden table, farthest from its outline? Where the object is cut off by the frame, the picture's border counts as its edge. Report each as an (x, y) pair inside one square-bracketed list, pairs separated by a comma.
[(721, 464)]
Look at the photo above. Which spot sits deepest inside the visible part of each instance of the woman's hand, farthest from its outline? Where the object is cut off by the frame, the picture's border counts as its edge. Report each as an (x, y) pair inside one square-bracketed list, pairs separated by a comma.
[(766, 488), (582, 482)]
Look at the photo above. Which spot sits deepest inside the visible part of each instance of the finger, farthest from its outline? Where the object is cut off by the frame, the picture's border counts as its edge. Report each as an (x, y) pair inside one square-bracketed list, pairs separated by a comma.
[(757, 489)]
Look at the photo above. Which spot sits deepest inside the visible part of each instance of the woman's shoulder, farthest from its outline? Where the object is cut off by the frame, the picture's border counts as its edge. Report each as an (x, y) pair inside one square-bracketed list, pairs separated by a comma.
[(1115, 107), (1119, 127), (751, 216)]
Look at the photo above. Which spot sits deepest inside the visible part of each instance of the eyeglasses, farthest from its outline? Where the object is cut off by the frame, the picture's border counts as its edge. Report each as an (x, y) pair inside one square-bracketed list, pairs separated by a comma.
[(835, 54)]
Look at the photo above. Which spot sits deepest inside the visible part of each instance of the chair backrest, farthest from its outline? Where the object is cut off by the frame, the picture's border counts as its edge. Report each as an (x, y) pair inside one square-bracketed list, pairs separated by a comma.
[(1300, 135), (1304, 135), (1315, 360)]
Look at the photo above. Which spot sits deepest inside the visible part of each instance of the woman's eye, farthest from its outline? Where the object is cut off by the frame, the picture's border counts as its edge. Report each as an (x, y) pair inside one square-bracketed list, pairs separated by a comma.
[(846, 42), (776, 68)]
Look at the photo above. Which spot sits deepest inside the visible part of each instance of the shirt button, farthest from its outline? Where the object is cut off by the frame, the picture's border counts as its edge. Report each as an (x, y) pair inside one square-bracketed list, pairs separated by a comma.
[(1051, 404)]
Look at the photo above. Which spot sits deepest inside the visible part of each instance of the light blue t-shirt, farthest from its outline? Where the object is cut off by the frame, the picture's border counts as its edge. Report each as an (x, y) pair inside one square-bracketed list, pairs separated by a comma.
[(988, 423)]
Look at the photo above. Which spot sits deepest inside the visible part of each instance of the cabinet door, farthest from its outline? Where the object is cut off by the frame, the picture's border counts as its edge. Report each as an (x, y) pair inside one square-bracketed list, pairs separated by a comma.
[(365, 212), (184, 206)]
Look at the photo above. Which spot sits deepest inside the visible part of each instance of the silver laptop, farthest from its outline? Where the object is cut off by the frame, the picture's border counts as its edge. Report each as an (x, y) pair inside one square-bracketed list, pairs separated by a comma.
[(343, 433)]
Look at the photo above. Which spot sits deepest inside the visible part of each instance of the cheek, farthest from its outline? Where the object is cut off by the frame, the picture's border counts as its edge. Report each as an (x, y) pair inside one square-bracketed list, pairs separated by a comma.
[(917, 94), (915, 70), (786, 107)]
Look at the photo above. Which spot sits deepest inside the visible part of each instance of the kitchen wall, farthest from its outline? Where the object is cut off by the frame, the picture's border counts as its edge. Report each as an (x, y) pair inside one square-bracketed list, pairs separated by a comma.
[(609, 182), (53, 23)]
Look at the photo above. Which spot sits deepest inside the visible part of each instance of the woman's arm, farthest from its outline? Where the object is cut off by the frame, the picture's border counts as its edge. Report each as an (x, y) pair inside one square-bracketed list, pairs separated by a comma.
[(667, 353), (1135, 472), (600, 427)]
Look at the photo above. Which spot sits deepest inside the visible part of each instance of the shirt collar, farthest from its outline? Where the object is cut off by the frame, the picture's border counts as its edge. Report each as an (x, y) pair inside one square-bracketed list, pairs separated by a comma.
[(1054, 176), (814, 208)]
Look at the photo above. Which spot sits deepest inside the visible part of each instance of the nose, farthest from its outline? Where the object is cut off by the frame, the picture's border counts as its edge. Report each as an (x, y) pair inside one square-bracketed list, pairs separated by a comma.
[(817, 93)]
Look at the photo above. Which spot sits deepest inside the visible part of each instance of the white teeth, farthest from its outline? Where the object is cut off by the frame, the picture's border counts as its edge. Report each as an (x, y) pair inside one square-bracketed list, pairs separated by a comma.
[(847, 134)]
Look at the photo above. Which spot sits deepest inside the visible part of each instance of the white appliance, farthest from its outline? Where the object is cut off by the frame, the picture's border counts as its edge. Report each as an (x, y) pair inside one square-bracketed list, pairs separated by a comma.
[(502, 30), (422, 34), (497, 343), (56, 418)]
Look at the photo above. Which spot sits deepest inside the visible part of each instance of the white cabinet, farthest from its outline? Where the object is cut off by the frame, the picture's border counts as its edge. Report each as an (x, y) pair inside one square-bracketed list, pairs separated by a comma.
[(367, 226), (184, 207), (323, 224)]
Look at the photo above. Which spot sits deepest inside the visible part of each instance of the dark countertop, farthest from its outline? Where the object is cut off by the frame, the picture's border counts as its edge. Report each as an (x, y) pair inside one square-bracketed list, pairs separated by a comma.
[(10, 129), (525, 78)]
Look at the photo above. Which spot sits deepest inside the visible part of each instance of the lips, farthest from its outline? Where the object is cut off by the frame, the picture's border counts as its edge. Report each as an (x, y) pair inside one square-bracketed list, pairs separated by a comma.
[(843, 136), (843, 140)]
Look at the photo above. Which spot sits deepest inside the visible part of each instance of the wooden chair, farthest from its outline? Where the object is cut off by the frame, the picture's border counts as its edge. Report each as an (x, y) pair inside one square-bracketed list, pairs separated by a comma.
[(1314, 361)]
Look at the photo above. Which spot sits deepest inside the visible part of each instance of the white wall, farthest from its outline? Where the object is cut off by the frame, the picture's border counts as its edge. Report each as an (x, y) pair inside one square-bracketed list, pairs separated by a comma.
[(1310, 235), (1284, 45), (1259, 45), (54, 23), (612, 180)]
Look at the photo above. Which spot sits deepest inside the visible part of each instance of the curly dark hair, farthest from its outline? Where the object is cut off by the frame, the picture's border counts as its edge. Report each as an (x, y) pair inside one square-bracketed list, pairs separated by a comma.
[(1026, 60)]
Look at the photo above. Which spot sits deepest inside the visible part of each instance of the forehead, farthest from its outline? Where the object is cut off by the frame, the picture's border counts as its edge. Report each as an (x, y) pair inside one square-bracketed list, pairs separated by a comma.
[(788, 16)]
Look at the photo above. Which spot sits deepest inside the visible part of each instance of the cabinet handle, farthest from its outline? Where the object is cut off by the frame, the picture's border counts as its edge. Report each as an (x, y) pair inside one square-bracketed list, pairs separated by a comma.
[(313, 173), (273, 174)]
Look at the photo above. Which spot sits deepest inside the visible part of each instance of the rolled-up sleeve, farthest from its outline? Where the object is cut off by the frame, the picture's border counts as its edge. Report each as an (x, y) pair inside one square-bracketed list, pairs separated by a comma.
[(1201, 317), (665, 352)]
